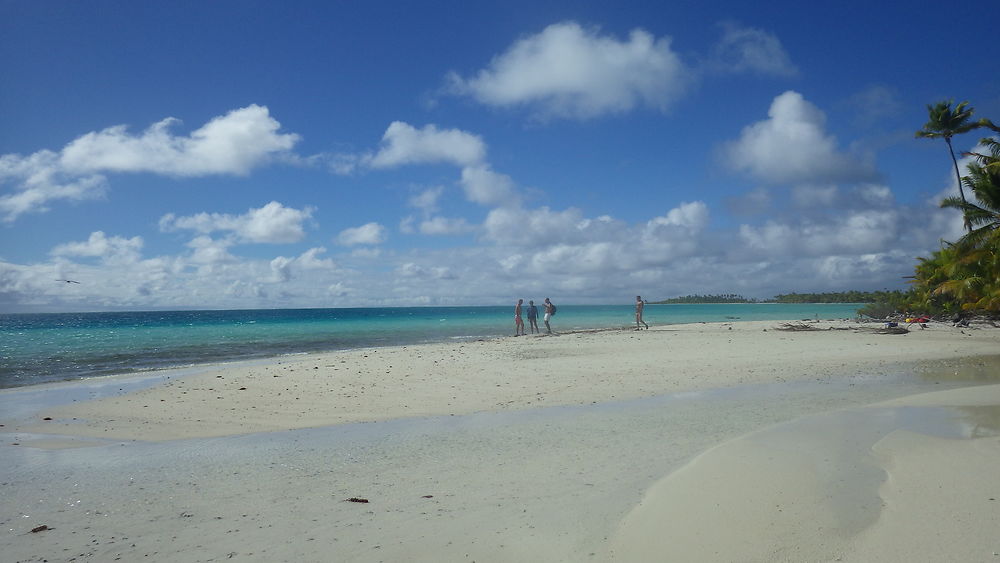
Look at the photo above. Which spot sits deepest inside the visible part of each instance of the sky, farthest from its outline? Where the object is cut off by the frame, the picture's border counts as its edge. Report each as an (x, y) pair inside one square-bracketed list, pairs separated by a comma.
[(244, 154)]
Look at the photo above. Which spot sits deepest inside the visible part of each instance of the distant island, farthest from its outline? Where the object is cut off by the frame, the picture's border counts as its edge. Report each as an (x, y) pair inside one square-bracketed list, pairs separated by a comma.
[(829, 297)]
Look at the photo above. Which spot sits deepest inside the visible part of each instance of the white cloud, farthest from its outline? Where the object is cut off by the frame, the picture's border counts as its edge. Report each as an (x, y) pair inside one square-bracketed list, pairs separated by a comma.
[(406, 225), (861, 240), (746, 49), (427, 200), (845, 233), (545, 241), (284, 268), (369, 233), (569, 71), (445, 226), (273, 223), (405, 144), (874, 195), (693, 216), (209, 251), (231, 144), (411, 270), (792, 146), (310, 260), (484, 186), (516, 226), (343, 164), (339, 289), (101, 246), (40, 180)]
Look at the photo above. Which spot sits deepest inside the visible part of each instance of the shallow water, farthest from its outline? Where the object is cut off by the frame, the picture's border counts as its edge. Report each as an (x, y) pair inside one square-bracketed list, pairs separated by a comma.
[(39, 348), (539, 484)]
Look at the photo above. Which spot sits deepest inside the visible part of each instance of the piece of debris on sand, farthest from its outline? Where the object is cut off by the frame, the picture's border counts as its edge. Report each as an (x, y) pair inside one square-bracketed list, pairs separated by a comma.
[(796, 327)]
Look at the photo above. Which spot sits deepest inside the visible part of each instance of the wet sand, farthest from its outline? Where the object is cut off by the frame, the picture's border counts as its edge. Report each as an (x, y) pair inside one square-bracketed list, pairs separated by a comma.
[(913, 479), (506, 450)]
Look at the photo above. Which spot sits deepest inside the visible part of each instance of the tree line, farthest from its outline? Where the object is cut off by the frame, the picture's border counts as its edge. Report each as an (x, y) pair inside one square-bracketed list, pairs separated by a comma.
[(828, 297), (963, 276)]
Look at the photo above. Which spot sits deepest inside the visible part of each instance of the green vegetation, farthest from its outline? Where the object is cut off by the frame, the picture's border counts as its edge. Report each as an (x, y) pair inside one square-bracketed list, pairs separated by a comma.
[(727, 298), (944, 122), (964, 275), (833, 297), (839, 297)]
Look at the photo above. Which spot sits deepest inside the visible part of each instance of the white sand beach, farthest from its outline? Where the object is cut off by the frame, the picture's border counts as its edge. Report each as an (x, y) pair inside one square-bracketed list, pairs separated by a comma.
[(701, 442)]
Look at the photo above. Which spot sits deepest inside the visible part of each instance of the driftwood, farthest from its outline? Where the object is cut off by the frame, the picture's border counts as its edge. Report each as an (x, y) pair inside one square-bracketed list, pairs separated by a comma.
[(796, 327), (889, 330), (803, 327)]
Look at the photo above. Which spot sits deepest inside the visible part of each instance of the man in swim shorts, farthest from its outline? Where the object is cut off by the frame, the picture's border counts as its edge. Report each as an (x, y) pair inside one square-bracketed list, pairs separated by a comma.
[(518, 322), (548, 314), (639, 304), (533, 317)]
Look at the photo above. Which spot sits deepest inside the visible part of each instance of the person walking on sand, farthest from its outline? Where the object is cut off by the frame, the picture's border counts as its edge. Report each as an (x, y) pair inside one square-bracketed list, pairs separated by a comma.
[(533, 317), (550, 310), (518, 322), (639, 304)]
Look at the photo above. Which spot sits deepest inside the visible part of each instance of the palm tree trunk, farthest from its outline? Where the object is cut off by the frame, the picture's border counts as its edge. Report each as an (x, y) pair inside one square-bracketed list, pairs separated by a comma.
[(958, 176)]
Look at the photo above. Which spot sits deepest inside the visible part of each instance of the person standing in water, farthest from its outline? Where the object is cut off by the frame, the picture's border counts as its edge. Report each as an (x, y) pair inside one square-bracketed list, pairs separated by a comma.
[(550, 310), (533, 317), (518, 322), (639, 304)]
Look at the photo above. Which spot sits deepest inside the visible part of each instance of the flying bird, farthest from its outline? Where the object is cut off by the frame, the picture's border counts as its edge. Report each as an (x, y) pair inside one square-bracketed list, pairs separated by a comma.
[(69, 281)]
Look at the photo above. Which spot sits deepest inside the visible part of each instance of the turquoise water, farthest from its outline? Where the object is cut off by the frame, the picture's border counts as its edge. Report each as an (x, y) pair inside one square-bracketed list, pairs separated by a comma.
[(40, 348)]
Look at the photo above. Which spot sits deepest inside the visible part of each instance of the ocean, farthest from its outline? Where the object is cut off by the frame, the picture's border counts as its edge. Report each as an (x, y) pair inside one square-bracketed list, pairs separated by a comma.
[(42, 348)]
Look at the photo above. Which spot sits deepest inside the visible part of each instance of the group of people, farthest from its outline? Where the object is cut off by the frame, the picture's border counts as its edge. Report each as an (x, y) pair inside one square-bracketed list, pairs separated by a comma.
[(550, 310)]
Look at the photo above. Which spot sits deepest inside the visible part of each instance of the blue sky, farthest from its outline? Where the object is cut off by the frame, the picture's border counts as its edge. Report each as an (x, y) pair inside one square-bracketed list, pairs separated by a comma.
[(326, 154)]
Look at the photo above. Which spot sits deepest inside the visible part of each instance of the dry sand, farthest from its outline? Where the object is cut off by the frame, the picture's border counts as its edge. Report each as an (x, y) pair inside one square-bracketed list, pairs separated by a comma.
[(465, 456)]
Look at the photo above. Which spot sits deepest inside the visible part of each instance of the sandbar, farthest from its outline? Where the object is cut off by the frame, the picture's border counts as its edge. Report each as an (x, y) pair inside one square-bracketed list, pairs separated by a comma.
[(513, 449)]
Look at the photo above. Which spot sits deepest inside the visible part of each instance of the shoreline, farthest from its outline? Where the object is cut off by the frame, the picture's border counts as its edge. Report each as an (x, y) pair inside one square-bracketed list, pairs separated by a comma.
[(212, 363), (226, 336), (511, 449), (376, 384)]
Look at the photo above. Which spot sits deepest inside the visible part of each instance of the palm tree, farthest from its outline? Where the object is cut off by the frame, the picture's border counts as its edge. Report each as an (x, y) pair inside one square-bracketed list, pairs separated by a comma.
[(928, 277), (988, 124), (972, 278), (945, 122), (988, 161), (972, 272), (982, 216)]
